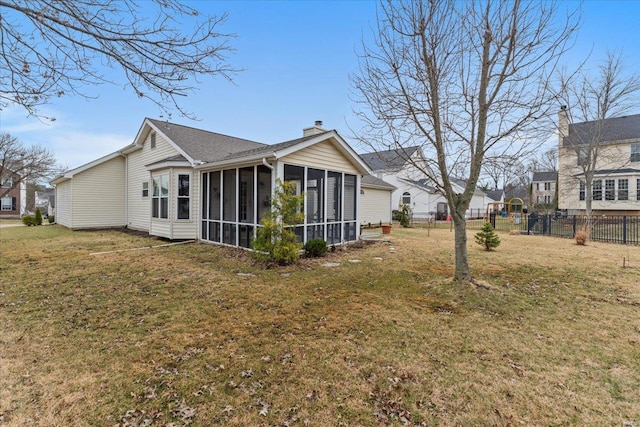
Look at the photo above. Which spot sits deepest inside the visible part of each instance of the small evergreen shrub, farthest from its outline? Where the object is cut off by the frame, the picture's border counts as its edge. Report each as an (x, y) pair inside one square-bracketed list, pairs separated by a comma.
[(487, 237), (38, 217), (315, 248), (404, 216), (52, 219), (29, 220)]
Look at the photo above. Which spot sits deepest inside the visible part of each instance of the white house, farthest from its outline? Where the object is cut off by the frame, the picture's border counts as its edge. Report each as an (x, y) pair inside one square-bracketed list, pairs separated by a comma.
[(396, 167), (179, 182), (616, 182)]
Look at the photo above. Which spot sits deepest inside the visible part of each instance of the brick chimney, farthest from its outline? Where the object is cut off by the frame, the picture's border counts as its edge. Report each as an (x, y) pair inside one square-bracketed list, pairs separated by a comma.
[(313, 130)]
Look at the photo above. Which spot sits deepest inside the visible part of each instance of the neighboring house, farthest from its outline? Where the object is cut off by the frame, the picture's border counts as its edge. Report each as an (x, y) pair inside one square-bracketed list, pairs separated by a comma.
[(375, 200), (616, 182), (543, 191), (179, 182), (13, 195), (496, 196), (43, 201), (395, 167)]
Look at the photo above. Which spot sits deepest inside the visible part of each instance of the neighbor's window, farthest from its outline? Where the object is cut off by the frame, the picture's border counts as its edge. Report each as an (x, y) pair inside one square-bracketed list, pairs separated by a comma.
[(635, 152), (583, 156), (547, 186), (153, 140), (582, 190), (597, 190), (6, 203), (160, 197), (623, 189), (145, 188), (638, 189), (183, 197), (7, 183), (610, 189), (406, 198)]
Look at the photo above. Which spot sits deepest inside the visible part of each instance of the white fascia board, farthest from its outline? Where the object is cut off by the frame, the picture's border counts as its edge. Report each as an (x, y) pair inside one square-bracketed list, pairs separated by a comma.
[(169, 164), (338, 141), (239, 162), (378, 187)]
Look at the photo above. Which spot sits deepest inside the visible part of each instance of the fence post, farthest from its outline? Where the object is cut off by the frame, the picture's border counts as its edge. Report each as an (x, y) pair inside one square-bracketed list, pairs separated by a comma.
[(624, 229), (575, 222)]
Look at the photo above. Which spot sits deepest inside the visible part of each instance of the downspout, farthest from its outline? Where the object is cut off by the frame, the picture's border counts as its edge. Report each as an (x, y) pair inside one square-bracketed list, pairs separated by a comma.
[(126, 189)]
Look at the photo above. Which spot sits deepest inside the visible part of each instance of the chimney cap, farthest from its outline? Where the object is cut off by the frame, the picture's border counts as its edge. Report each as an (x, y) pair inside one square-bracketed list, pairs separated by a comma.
[(563, 107), (318, 123)]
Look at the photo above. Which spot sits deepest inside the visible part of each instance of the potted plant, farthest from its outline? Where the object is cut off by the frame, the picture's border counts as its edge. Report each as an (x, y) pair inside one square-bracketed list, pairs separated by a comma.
[(386, 228)]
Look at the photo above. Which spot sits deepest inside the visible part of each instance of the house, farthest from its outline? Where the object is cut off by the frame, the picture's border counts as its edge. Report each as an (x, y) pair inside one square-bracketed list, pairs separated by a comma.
[(397, 167), (13, 195), (180, 182), (543, 191), (616, 180), (44, 201)]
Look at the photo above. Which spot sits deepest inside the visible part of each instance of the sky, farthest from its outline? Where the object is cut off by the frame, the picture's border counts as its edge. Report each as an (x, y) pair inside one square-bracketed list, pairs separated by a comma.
[(296, 58)]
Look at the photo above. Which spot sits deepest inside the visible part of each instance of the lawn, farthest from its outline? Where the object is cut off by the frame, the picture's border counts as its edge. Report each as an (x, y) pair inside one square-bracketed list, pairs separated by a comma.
[(201, 335)]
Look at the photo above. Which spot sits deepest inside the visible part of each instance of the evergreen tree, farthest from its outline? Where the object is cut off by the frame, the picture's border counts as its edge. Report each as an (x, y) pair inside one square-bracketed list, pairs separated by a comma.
[(487, 237)]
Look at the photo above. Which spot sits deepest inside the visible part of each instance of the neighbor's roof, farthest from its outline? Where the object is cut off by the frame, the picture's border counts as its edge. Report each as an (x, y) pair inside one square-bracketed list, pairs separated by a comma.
[(544, 176), (423, 183), (496, 195), (374, 182), (204, 145), (388, 160), (611, 130)]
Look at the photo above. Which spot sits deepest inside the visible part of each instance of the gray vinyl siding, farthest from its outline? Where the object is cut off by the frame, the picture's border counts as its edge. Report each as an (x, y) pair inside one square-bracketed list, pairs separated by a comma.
[(98, 195), (139, 208)]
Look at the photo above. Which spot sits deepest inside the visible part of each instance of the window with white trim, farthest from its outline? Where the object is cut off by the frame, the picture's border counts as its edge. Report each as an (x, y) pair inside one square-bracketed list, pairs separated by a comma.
[(406, 198), (638, 189), (6, 203), (145, 188), (547, 186), (597, 190), (610, 189), (635, 153), (583, 154), (623, 189), (153, 140), (160, 197), (184, 197), (582, 190)]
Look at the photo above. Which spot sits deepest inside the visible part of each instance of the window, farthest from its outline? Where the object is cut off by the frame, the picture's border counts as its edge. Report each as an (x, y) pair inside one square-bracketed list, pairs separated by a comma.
[(7, 183), (597, 190), (635, 152), (547, 186), (246, 196), (7, 203), (160, 197), (583, 156), (638, 189), (145, 189), (184, 198), (406, 198), (623, 189), (582, 190), (537, 186), (610, 189), (153, 140)]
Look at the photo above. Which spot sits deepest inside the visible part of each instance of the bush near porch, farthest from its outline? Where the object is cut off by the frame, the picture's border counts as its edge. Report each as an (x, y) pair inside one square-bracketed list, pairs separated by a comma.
[(175, 335)]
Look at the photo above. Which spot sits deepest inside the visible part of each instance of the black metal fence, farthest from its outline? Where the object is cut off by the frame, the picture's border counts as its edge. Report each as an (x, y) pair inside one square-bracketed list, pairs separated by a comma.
[(624, 229)]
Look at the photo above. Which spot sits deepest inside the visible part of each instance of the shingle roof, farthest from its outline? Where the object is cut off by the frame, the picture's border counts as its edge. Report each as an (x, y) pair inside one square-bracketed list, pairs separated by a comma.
[(204, 145), (495, 194), (388, 160), (370, 180), (613, 129), (544, 176), (265, 149)]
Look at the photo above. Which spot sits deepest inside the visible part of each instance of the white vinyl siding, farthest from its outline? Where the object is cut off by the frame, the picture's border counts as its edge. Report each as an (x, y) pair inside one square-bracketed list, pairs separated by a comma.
[(323, 155), (139, 208), (375, 206), (98, 195), (63, 203)]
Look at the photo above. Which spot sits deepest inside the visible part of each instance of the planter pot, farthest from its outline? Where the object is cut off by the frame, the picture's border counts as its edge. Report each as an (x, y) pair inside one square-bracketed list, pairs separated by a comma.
[(386, 229)]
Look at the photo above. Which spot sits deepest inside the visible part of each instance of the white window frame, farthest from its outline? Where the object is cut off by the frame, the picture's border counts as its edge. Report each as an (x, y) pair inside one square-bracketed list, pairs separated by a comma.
[(621, 188), (157, 198), (145, 187), (187, 197), (153, 140), (406, 195), (3, 206), (635, 153)]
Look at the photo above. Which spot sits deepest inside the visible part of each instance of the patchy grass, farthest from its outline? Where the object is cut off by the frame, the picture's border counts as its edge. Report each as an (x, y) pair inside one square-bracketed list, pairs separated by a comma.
[(174, 335)]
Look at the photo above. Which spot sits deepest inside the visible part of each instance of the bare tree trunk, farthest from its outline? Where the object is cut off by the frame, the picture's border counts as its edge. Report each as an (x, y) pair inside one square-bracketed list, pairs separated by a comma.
[(462, 272)]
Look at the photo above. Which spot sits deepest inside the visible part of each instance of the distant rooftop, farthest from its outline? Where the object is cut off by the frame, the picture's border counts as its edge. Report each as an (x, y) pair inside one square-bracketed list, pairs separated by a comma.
[(388, 160), (609, 130)]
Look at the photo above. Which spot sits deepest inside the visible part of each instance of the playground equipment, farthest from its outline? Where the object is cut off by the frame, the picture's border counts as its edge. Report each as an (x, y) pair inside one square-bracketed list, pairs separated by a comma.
[(514, 209)]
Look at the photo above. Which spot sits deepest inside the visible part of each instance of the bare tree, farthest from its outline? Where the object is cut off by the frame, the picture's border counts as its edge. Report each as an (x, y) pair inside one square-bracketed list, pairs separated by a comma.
[(500, 171), (593, 99), (463, 80), (545, 161), (55, 48), (19, 164)]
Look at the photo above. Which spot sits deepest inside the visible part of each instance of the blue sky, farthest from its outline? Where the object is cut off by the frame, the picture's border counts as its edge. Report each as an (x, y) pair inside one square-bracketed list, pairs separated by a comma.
[(297, 58)]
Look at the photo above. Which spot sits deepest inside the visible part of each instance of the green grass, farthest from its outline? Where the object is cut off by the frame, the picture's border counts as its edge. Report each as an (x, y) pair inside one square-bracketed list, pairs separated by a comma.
[(174, 335)]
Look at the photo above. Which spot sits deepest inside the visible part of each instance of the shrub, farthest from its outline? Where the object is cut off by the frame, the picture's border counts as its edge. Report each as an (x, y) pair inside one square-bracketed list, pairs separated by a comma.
[(38, 217), (52, 219), (276, 240), (315, 248), (487, 237), (581, 237), (29, 220), (404, 216)]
